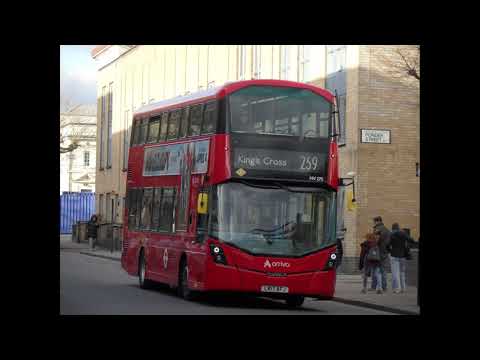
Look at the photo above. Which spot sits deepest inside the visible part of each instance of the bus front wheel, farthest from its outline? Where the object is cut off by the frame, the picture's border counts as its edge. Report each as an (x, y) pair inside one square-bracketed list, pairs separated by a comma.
[(295, 301)]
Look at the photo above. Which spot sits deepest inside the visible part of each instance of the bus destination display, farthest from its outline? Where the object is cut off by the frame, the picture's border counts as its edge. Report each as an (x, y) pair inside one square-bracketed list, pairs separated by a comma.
[(278, 160)]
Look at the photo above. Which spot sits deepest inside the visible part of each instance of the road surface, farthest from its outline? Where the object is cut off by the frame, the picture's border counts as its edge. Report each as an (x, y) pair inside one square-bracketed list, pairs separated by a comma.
[(96, 286)]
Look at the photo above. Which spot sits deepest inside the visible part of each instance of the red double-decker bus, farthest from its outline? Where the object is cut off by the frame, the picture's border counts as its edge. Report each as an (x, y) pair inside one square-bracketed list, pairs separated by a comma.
[(234, 189)]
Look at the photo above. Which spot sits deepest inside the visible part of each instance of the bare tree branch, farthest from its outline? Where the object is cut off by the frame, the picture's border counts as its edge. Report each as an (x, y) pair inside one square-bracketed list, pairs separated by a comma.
[(74, 128), (405, 61), (69, 148), (410, 64)]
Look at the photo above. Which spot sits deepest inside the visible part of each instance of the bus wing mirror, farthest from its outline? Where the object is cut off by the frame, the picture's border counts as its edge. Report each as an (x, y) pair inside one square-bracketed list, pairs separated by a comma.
[(202, 205)]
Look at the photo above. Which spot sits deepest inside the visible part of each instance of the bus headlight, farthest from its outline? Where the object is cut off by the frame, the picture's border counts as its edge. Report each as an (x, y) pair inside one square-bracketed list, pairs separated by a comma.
[(332, 259), (218, 255)]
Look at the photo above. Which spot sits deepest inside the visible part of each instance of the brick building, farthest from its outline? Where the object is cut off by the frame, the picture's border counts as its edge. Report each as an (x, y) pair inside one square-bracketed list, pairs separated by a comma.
[(379, 107)]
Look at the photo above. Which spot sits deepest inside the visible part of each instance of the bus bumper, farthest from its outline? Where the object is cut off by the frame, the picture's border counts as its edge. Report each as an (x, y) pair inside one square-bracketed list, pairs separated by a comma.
[(319, 284)]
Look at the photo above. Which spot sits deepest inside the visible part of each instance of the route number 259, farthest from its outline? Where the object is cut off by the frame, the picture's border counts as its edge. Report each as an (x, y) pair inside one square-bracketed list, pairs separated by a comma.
[(309, 163)]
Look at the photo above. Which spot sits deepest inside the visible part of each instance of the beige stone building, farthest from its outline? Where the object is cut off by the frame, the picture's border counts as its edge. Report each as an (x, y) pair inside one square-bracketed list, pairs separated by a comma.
[(379, 104), (77, 167)]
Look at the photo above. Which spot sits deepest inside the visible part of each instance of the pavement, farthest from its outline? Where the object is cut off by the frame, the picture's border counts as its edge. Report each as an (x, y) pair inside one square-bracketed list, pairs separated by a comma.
[(348, 287), (348, 290)]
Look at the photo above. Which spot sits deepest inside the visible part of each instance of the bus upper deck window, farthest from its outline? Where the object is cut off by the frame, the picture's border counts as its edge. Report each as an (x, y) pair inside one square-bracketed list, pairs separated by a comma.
[(143, 131), (136, 128), (163, 127), (195, 120), (184, 122), (153, 128), (209, 118), (173, 123)]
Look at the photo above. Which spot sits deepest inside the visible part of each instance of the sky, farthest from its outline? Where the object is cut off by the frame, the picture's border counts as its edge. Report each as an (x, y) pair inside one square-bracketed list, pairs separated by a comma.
[(77, 75)]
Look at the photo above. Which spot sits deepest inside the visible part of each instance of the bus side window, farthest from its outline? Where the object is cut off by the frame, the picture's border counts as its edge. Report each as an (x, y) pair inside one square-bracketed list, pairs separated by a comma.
[(136, 125), (138, 208), (132, 207), (146, 216), (210, 118), (157, 201), (184, 122), (195, 120), (153, 127), (143, 131), (173, 123), (163, 127), (166, 210)]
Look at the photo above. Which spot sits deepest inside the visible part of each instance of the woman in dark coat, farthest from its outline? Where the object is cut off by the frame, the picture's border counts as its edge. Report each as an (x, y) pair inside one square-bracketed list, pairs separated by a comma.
[(92, 230), (369, 265)]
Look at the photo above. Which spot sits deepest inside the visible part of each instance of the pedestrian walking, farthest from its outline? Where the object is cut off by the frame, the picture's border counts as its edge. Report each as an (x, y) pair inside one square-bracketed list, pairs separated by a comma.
[(370, 261), (92, 228), (339, 253), (399, 253), (383, 245)]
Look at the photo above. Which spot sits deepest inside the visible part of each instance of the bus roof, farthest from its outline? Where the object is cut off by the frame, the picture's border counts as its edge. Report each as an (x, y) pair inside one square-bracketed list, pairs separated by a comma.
[(223, 90)]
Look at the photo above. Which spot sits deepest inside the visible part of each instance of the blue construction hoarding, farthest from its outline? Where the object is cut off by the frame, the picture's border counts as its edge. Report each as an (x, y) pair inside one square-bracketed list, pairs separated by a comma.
[(75, 206)]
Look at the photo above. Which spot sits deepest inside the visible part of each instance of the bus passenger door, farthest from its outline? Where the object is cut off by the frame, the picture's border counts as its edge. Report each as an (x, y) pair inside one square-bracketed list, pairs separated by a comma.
[(197, 244)]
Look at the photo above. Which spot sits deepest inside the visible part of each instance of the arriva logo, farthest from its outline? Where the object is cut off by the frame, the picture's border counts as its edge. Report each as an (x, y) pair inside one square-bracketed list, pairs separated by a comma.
[(269, 264)]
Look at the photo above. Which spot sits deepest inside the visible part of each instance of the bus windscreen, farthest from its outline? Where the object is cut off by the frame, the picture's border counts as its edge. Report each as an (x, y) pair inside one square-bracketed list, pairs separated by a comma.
[(279, 111)]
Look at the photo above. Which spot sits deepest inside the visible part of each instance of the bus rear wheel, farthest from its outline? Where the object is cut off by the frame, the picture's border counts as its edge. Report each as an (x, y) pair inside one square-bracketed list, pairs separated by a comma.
[(142, 269), (183, 289), (295, 301)]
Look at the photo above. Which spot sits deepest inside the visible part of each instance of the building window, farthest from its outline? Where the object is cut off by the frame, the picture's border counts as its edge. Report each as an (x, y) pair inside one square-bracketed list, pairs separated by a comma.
[(284, 62), (336, 83), (108, 209), (242, 61), (309, 62), (257, 62), (110, 109), (336, 58), (102, 125), (115, 206), (86, 158), (100, 206)]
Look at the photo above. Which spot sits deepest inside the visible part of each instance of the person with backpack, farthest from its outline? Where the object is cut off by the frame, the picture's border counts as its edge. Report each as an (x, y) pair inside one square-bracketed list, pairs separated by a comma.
[(383, 245), (399, 252), (370, 260)]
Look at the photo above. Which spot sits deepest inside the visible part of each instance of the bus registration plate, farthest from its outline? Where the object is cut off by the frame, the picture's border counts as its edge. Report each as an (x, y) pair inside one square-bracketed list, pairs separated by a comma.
[(274, 289)]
